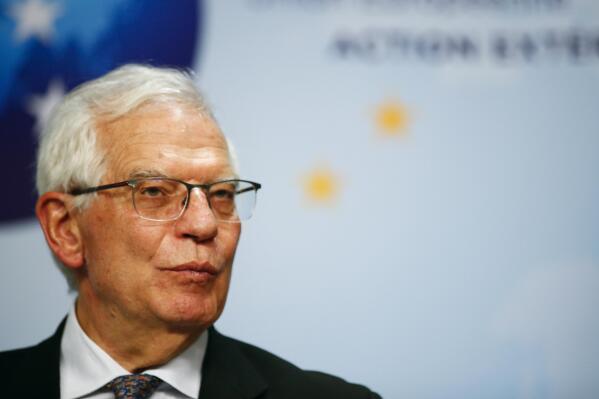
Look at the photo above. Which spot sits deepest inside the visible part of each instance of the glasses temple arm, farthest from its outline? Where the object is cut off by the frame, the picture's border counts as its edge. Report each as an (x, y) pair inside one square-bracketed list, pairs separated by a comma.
[(79, 191)]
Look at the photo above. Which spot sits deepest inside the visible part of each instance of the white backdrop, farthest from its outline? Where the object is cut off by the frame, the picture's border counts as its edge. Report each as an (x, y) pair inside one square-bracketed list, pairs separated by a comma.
[(429, 218)]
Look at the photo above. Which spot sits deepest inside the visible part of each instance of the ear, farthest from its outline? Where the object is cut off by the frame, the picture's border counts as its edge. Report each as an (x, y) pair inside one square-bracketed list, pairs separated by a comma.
[(57, 219)]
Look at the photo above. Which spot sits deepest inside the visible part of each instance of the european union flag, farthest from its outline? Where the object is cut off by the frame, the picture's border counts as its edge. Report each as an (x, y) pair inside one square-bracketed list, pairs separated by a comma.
[(47, 47)]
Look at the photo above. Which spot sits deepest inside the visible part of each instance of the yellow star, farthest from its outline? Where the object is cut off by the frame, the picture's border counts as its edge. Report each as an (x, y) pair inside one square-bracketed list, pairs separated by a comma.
[(41, 107), (392, 118), (35, 18), (321, 185)]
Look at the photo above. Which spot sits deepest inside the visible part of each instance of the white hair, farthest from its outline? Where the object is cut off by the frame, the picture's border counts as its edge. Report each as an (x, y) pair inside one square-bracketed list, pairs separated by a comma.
[(69, 155)]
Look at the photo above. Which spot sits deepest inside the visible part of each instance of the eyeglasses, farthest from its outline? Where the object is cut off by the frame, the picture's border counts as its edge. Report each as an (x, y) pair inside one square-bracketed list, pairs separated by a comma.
[(165, 199)]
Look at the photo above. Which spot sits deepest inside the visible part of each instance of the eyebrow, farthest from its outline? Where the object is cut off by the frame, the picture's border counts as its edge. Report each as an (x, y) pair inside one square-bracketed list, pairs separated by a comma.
[(142, 173), (139, 173)]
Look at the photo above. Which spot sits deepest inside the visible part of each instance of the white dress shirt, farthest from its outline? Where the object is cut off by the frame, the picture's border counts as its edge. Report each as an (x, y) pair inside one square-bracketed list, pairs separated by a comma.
[(85, 368)]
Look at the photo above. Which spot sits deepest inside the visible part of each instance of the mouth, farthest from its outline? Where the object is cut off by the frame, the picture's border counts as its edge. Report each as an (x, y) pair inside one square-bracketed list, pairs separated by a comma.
[(200, 272)]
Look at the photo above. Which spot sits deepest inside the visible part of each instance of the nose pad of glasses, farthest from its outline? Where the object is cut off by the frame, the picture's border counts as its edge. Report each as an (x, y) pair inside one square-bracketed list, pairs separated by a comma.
[(187, 200)]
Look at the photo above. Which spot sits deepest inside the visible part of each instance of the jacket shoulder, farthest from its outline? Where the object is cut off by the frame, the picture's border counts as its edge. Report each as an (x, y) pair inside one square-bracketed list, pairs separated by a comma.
[(15, 360), (40, 361), (286, 380)]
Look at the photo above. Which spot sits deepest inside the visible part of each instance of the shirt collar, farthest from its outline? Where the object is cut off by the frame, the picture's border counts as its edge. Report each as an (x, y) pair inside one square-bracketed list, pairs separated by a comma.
[(85, 367)]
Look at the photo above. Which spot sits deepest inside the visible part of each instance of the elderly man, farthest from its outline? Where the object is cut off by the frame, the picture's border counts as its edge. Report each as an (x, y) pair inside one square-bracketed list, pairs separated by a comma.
[(141, 204)]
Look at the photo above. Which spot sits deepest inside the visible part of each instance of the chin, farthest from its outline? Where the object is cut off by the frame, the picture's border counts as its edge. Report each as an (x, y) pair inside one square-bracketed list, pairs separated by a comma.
[(190, 312)]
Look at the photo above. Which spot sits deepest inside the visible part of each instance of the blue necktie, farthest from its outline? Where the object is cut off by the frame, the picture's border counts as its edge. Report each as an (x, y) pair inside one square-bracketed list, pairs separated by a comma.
[(134, 386)]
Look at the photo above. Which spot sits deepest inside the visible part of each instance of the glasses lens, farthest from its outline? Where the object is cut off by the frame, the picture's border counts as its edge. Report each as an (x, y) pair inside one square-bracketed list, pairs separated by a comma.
[(159, 199), (232, 201)]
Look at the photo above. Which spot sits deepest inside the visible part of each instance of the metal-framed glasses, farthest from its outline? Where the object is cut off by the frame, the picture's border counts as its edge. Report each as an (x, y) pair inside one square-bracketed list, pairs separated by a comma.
[(164, 199)]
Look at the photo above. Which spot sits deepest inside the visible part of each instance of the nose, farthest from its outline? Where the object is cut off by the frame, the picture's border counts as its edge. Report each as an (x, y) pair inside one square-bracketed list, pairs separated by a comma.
[(197, 221)]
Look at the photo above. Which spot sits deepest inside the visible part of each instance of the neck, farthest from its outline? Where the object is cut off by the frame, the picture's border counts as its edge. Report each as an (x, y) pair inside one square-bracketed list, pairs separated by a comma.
[(136, 345)]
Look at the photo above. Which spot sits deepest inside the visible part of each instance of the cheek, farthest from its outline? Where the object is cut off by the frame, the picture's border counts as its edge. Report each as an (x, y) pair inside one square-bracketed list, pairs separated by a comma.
[(144, 242), (114, 240), (229, 238), (119, 267)]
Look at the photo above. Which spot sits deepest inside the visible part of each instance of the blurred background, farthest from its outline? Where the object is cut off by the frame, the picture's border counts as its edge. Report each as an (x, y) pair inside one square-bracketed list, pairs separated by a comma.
[(429, 219)]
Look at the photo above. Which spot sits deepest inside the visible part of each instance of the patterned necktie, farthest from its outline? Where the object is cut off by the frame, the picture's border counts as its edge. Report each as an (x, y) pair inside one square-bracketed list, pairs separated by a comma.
[(134, 386)]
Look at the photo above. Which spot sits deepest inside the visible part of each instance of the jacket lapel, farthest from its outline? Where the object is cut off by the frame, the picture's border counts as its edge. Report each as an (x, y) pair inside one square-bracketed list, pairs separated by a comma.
[(227, 373)]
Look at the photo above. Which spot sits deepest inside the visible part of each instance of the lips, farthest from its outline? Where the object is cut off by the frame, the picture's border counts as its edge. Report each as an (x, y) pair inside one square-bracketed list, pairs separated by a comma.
[(197, 267), (194, 271)]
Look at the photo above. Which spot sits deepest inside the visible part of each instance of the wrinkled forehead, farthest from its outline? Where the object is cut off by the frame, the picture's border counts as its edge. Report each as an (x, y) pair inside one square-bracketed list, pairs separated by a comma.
[(176, 139)]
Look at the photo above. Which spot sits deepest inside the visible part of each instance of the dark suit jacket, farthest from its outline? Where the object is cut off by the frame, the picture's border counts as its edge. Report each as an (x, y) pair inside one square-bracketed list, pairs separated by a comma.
[(231, 370)]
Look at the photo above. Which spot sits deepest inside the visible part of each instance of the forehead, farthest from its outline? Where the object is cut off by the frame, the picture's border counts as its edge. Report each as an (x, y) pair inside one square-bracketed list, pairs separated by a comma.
[(168, 139)]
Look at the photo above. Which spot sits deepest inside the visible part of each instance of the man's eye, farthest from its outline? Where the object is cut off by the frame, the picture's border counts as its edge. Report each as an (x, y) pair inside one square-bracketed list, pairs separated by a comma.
[(152, 191), (223, 194)]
